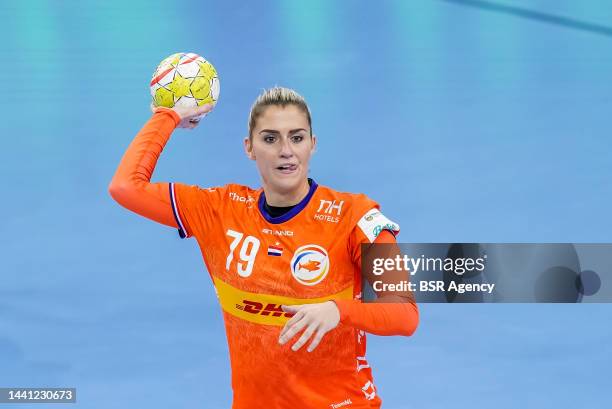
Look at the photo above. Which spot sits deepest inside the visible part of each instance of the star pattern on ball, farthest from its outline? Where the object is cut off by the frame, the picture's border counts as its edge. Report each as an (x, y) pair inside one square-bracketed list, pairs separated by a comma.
[(180, 86), (185, 80)]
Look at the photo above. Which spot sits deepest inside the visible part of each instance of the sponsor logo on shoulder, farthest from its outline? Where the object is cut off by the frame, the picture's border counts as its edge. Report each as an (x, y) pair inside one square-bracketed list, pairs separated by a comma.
[(370, 216), (389, 226), (374, 222), (248, 200), (329, 211)]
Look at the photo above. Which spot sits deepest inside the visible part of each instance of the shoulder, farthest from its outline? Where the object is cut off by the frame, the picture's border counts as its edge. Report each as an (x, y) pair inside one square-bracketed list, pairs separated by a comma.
[(237, 189), (355, 203), (348, 196), (360, 211), (227, 194), (225, 190)]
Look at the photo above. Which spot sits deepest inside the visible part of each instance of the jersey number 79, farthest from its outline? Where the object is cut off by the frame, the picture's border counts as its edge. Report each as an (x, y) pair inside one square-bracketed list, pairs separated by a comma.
[(248, 252)]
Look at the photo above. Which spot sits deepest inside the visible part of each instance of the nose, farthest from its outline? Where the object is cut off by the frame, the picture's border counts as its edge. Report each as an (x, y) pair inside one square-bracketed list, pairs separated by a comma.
[(285, 148)]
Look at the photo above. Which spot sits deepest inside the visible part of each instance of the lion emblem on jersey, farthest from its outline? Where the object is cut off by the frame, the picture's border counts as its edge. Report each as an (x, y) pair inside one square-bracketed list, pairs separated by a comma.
[(310, 264)]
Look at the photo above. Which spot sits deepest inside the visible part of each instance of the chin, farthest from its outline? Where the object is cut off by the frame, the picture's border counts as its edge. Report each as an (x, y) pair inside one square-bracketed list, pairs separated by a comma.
[(288, 184)]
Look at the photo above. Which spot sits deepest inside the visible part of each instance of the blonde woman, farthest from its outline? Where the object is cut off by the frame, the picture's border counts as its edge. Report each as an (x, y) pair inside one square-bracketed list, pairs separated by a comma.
[(284, 259)]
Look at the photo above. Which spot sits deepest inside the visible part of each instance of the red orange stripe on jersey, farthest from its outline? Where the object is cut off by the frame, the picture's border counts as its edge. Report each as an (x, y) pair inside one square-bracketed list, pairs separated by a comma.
[(177, 216)]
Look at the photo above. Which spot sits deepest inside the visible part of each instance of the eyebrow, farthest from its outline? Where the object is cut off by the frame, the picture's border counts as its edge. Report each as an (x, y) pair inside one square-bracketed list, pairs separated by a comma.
[(277, 132)]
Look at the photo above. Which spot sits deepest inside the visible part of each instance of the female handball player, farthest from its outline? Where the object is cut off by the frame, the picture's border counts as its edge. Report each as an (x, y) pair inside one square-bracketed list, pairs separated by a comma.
[(284, 259)]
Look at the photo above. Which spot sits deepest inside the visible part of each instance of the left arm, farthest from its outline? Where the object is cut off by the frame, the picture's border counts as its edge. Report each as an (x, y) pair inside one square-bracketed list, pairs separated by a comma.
[(393, 312), (390, 314)]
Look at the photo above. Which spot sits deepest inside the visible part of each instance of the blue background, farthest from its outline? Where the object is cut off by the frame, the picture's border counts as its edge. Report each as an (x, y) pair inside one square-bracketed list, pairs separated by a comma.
[(467, 120)]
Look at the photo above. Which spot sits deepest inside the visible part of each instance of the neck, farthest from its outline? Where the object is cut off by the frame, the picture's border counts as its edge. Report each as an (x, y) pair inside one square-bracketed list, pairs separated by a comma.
[(289, 198)]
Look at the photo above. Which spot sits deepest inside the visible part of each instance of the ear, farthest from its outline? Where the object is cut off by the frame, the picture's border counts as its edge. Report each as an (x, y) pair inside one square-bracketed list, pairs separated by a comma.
[(314, 144), (248, 148)]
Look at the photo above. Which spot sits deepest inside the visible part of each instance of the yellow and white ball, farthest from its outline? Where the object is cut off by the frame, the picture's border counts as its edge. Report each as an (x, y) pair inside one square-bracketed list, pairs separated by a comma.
[(184, 80)]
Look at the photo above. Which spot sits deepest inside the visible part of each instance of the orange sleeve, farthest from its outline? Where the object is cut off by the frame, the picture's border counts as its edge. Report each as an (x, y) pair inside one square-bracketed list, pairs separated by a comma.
[(131, 186), (380, 318), (197, 209)]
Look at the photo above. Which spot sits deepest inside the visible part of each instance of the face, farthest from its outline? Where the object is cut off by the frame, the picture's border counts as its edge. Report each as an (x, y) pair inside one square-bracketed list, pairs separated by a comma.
[(281, 146)]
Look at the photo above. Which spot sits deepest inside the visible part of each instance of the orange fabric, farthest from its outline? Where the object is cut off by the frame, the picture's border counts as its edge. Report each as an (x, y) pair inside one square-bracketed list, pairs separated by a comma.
[(257, 265), (314, 262), (131, 186), (380, 317)]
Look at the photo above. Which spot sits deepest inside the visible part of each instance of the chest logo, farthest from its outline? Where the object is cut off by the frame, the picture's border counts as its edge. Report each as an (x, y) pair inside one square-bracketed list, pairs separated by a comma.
[(310, 264)]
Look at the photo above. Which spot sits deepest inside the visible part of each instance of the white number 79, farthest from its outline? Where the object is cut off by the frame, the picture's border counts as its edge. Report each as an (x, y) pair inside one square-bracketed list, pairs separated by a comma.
[(247, 254)]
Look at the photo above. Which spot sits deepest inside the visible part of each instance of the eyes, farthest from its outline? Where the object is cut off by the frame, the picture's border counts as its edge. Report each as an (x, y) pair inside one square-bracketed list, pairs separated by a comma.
[(271, 138)]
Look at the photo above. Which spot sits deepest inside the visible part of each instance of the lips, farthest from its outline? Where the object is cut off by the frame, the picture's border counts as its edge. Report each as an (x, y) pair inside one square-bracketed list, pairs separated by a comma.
[(287, 168)]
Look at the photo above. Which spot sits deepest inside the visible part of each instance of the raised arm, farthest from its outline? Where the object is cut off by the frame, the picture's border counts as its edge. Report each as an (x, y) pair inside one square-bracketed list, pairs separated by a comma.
[(131, 186)]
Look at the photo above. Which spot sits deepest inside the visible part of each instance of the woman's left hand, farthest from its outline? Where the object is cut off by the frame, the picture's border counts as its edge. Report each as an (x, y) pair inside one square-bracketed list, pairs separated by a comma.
[(317, 319)]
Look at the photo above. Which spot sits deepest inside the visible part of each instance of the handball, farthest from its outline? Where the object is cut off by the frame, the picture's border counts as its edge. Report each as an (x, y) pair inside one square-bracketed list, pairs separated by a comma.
[(184, 80)]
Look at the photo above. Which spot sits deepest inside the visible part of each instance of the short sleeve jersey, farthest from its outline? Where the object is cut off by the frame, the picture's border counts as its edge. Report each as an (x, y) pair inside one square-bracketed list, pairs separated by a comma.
[(258, 263)]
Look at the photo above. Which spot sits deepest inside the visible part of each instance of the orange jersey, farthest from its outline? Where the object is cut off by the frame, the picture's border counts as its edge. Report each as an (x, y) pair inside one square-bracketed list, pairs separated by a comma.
[(258, 263)]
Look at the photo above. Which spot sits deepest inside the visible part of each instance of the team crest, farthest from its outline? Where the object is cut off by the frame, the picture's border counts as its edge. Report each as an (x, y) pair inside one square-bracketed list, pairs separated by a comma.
[(310, 264)]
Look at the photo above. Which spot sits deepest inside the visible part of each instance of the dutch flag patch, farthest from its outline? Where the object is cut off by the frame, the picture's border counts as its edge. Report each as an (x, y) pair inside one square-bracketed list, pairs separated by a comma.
[(275, 250)]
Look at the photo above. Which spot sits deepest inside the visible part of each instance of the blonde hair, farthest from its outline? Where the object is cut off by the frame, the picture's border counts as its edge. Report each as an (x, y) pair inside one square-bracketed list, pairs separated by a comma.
[(277, 96)]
